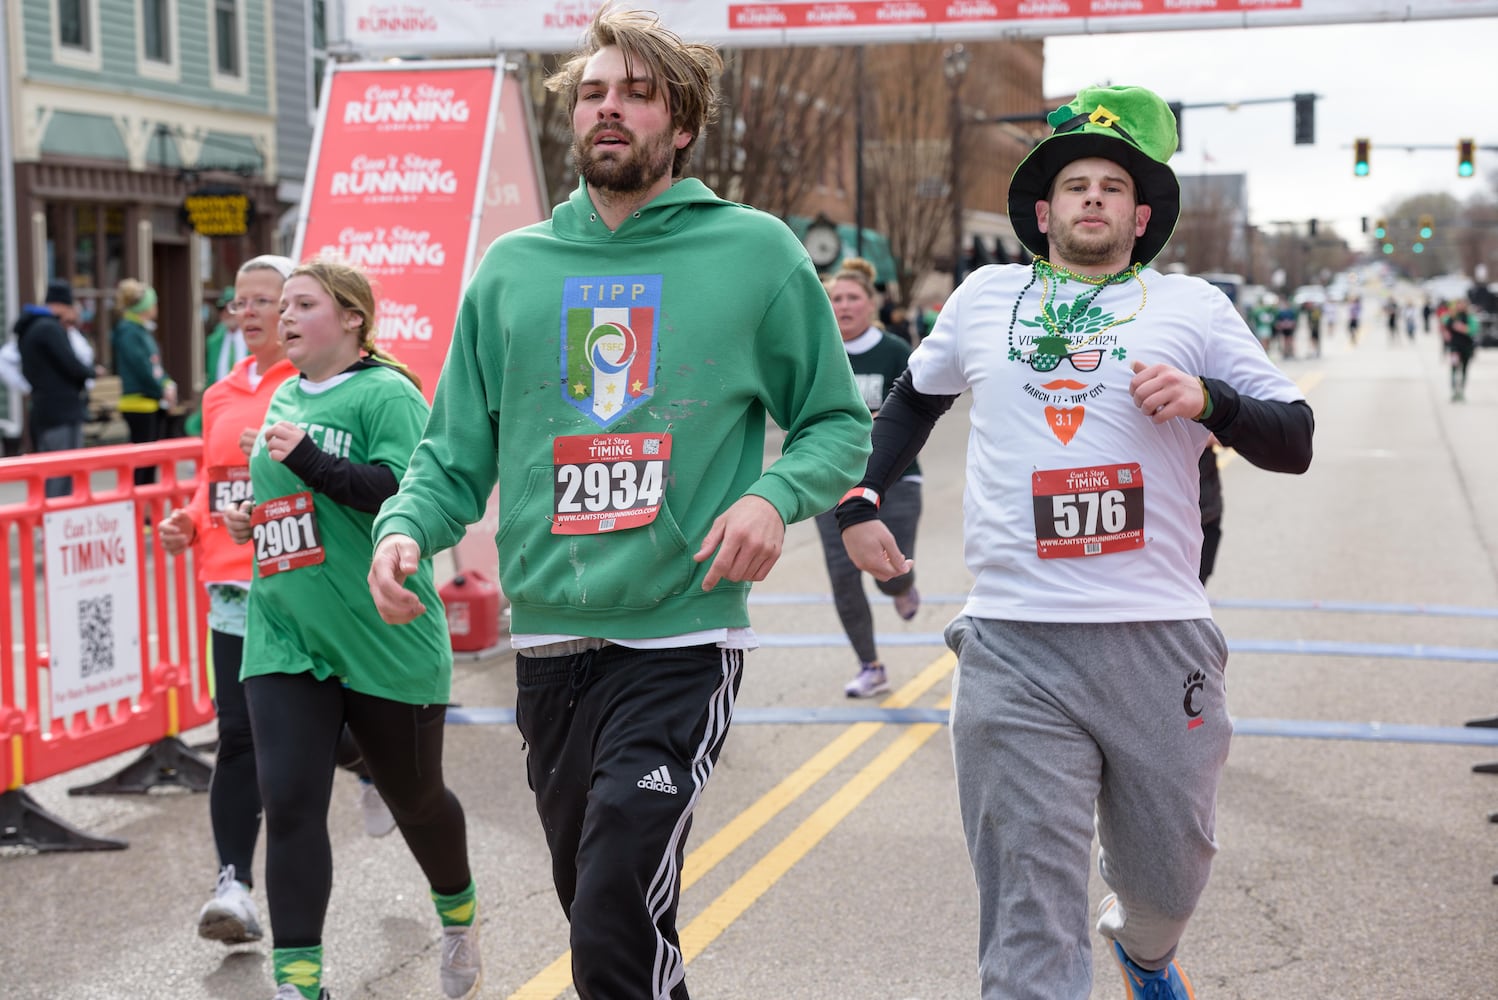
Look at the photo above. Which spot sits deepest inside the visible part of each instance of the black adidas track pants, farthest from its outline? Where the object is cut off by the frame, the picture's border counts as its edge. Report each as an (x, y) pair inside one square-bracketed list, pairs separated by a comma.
[(621, 744)]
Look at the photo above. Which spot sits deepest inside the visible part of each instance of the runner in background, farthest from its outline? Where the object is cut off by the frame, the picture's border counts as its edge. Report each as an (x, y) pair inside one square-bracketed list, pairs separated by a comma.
[(233, 409), (146, 391), (333, 447), (878, 358)]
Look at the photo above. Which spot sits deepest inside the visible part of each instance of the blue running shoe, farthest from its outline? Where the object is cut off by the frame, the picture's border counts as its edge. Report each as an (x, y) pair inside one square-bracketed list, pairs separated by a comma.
[(1169, 983)]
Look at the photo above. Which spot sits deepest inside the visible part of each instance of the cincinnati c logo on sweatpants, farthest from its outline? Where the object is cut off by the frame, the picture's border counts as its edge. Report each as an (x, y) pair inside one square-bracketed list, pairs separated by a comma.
[(658, 780)]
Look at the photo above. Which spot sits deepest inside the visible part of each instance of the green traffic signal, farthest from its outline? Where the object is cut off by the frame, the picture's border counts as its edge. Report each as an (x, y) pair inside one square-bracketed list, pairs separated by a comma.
[(1464, 151), (1418, 248), (1360, 157)]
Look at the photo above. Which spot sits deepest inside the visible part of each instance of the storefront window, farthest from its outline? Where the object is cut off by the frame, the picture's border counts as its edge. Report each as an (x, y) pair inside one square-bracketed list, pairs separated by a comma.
[(86, 247)]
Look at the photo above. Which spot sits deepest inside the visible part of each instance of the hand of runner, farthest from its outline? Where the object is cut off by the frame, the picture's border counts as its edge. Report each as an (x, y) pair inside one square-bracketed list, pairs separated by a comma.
[(176, 532), (1163, 393), (282, 438), (873, 550), (237, 521), (395, 558), (748, 537)]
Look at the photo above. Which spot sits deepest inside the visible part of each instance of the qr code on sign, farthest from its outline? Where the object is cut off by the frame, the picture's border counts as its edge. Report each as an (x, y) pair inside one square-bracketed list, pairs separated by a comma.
[(96, 635)]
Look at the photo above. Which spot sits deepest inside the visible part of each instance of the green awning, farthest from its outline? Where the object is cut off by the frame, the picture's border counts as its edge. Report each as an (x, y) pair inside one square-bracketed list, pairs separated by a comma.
[(875, 247)]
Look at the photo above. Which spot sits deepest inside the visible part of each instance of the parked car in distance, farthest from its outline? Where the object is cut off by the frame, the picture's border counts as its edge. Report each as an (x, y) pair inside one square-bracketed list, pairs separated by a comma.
[(1310, 293)]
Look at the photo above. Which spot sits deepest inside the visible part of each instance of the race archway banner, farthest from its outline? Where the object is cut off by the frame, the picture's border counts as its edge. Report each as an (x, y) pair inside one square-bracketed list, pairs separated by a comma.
[(475, 26), (396, 187), (415, 168)]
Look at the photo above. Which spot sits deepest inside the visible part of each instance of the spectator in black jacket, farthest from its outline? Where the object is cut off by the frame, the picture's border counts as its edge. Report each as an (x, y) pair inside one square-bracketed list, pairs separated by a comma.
[(57, 376)]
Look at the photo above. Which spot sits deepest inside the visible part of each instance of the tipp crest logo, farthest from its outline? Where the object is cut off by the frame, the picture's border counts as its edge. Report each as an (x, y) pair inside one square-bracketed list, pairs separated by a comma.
[(609, 336)]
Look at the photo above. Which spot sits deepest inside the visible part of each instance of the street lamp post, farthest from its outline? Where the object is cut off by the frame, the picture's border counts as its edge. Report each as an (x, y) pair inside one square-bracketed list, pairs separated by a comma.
[(954, 68), (858, 87)]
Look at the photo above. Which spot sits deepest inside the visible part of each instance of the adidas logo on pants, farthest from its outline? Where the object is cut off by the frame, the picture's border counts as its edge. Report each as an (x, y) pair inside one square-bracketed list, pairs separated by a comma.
[(658, 780)]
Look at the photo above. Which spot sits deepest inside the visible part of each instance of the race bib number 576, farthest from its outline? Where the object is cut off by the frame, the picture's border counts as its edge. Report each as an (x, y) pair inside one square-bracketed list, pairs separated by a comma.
[(608, 482), (1088, 512)]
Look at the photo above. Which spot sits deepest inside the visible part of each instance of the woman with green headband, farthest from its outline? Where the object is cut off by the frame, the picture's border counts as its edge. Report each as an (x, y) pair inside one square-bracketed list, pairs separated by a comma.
[(145, 389)]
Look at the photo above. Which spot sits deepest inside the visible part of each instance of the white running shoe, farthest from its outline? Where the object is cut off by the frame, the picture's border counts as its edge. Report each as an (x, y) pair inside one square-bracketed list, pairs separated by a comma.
[(230, 916), (377, 819), (286, 991), (462, 965), (869, 682)]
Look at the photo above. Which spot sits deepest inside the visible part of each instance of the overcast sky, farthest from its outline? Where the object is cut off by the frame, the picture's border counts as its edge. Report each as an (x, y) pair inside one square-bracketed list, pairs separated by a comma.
[(1422, 83)]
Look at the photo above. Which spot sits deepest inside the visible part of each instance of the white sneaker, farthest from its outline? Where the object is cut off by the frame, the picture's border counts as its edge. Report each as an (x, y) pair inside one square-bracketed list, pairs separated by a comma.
[(462, 965), (230, 916), (869, 682), (286, 991), (377, 819)]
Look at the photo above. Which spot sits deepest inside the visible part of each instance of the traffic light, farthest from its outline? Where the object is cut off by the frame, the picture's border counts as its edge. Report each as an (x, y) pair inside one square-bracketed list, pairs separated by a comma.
[(1360, 158), (1427, 227), (1381, 230), (1464, 166), (1305, 120)]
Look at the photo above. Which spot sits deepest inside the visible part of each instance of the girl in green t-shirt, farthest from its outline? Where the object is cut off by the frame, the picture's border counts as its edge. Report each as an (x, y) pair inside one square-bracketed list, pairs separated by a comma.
[(333, 447)]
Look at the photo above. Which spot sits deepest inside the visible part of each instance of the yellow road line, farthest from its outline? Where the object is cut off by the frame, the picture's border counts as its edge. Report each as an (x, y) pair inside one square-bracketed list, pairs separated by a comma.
[(553, 980), (737, 898)]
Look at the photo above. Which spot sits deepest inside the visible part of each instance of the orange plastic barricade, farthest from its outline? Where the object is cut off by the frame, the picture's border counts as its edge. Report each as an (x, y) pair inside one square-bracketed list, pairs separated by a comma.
[(102, 634)]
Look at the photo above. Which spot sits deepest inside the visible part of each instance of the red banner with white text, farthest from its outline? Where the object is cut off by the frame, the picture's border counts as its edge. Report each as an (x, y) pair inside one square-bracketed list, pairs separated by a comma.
[(411, 27), (396, 189)]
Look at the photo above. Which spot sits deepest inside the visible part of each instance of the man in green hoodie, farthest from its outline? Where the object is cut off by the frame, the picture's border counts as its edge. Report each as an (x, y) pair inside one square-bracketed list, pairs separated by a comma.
[(612, 368)]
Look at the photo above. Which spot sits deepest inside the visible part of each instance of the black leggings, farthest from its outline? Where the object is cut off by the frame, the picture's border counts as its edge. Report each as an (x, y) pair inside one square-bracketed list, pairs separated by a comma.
[(234, 790), (297, 721)]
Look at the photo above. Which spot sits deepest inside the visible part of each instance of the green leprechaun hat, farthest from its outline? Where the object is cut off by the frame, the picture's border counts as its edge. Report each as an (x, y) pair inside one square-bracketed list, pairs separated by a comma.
[(1132, 127)]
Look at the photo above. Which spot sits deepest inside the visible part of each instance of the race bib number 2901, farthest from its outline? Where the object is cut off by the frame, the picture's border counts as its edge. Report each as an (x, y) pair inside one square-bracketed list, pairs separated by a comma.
[(1088, 512), (285, 534), (608, 482)]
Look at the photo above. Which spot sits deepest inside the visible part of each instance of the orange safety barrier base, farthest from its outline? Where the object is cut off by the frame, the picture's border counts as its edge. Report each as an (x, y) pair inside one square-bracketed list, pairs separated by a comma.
[(119, 663)]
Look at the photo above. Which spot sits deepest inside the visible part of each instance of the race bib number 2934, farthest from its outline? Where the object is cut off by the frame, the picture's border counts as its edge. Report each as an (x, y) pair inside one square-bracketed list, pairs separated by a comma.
[(1088, 512), (608, 482)]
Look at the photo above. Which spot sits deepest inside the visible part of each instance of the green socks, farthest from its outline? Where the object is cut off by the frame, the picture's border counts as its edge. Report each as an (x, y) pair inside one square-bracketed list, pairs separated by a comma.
[(301, 967), (457, 910)]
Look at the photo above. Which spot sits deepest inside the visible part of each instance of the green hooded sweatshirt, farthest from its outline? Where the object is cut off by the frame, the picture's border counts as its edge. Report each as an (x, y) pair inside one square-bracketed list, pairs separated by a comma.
[(609, 379)]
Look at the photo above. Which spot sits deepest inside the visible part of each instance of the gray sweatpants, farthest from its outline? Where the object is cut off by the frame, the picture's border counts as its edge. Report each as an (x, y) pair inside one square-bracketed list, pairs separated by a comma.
[(1057, 727)]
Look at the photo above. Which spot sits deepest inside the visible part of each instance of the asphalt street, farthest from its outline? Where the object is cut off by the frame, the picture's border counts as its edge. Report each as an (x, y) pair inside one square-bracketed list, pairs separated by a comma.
[(826, 861)]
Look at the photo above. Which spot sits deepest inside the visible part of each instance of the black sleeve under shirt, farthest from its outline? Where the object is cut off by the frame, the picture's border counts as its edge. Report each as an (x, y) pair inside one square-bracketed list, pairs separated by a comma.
[(353, 484), (900, 431)]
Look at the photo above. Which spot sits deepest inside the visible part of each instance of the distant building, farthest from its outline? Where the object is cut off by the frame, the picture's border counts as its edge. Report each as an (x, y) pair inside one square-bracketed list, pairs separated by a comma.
[(163, 140), (1213, 233)]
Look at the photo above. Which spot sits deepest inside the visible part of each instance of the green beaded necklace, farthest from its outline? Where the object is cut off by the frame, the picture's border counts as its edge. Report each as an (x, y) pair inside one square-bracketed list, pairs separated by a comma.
[(1059, 323)]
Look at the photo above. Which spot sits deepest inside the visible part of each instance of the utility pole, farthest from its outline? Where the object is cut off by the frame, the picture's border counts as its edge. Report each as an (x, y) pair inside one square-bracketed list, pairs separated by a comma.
[(954, 67)]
